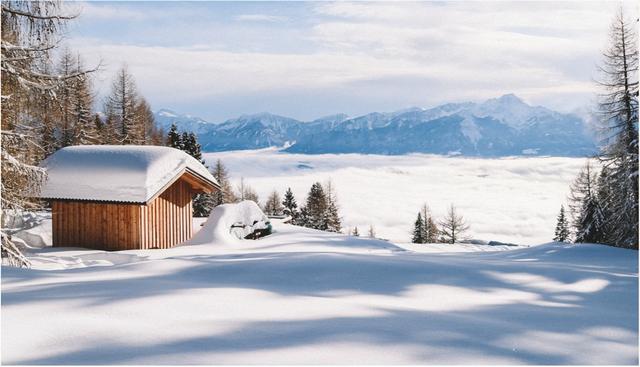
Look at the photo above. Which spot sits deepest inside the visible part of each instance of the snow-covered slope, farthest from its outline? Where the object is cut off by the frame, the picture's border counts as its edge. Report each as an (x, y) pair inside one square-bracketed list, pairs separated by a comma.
[(127, 173), (308, 297)]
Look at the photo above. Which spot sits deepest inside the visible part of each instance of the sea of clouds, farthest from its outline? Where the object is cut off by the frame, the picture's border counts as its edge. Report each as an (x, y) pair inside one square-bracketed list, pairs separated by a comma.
[(512, 199)]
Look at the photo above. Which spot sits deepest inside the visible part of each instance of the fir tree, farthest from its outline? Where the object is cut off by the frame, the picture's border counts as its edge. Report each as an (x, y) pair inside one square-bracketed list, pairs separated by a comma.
[(562, 227), (174, 140), (355, 232), (418, 230), (588, 219), (290, 206), (332, 215), (314, 213)]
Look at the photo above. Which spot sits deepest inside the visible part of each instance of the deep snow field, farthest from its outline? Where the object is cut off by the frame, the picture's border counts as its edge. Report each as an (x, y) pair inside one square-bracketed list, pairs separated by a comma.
[(307, 297), (512, 200)]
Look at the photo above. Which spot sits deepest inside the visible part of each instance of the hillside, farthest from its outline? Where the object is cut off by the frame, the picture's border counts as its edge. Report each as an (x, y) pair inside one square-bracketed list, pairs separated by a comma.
[(504, 126), (302, 296)]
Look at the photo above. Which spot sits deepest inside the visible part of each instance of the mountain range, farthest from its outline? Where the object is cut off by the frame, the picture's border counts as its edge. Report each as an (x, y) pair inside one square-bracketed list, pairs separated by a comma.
[(503, 126)]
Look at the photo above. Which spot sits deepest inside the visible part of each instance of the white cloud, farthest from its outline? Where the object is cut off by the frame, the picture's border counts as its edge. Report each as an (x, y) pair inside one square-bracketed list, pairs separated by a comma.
[(393, 54), (260, 18)]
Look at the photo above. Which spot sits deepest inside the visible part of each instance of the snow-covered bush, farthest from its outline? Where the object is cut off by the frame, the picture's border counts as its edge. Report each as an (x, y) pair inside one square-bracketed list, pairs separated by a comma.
[(230, 223)]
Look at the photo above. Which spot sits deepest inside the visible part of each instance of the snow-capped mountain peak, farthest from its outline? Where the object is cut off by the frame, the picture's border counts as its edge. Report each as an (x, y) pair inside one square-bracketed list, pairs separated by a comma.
[(496, 127)]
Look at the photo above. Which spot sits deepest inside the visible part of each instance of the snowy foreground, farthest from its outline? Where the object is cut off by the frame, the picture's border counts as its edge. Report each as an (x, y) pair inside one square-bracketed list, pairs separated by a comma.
[(302, 296)]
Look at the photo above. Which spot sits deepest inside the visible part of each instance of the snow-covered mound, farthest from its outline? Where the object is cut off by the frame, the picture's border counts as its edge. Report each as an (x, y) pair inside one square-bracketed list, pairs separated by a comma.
[(230, 223), (552, 304), (127, 173)]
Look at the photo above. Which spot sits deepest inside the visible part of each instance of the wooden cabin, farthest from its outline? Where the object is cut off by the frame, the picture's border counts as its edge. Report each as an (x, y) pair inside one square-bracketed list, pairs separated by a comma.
[(123, 197)]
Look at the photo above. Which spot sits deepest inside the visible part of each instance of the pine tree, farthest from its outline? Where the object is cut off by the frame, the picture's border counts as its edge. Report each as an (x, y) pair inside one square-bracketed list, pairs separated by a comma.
[(418, 230), (618, 107), (355, 232), (585, 207), (273, 206), (453, 226), (561, 233), (332, 215), (314, 212), (174, 140), (290, 206)]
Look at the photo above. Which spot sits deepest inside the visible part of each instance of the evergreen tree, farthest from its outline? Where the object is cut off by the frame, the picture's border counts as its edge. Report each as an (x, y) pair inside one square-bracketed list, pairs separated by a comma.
[(585, 207), (332, 215), (273, 206), (290, 206), (355, 232), (418, 230), (174, 140), (618, 107), (203, 203), (314, 212), (562, 227), (453, 226)]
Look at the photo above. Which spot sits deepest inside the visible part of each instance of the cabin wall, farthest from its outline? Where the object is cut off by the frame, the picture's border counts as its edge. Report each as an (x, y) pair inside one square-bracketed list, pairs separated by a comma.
[(167, 220), (164, 223), (101, 226)]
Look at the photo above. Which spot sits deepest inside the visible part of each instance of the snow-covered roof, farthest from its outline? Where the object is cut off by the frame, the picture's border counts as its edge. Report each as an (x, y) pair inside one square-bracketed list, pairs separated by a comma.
[(122, 173)]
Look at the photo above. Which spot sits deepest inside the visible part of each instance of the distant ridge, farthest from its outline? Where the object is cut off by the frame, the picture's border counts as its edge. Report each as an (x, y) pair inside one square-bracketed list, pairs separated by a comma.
[(504, 126)]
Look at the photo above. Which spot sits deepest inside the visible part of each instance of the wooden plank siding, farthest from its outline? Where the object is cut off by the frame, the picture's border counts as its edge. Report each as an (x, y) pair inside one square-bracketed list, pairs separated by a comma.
[(164, 222)]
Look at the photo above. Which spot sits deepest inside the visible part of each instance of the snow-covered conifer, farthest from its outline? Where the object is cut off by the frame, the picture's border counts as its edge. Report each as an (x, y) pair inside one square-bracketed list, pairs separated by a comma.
[(618, 109), (290, 205), (561, 233), (418, 230)]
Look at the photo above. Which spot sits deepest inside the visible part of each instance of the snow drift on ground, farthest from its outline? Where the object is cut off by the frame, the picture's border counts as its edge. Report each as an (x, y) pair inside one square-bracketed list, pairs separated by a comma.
[(302, 296), (512, 200), (230, 223), (127, 173)]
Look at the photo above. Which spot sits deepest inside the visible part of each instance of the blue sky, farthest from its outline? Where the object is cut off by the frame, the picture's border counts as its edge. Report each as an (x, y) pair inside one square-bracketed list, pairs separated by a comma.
[(219, 60)]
